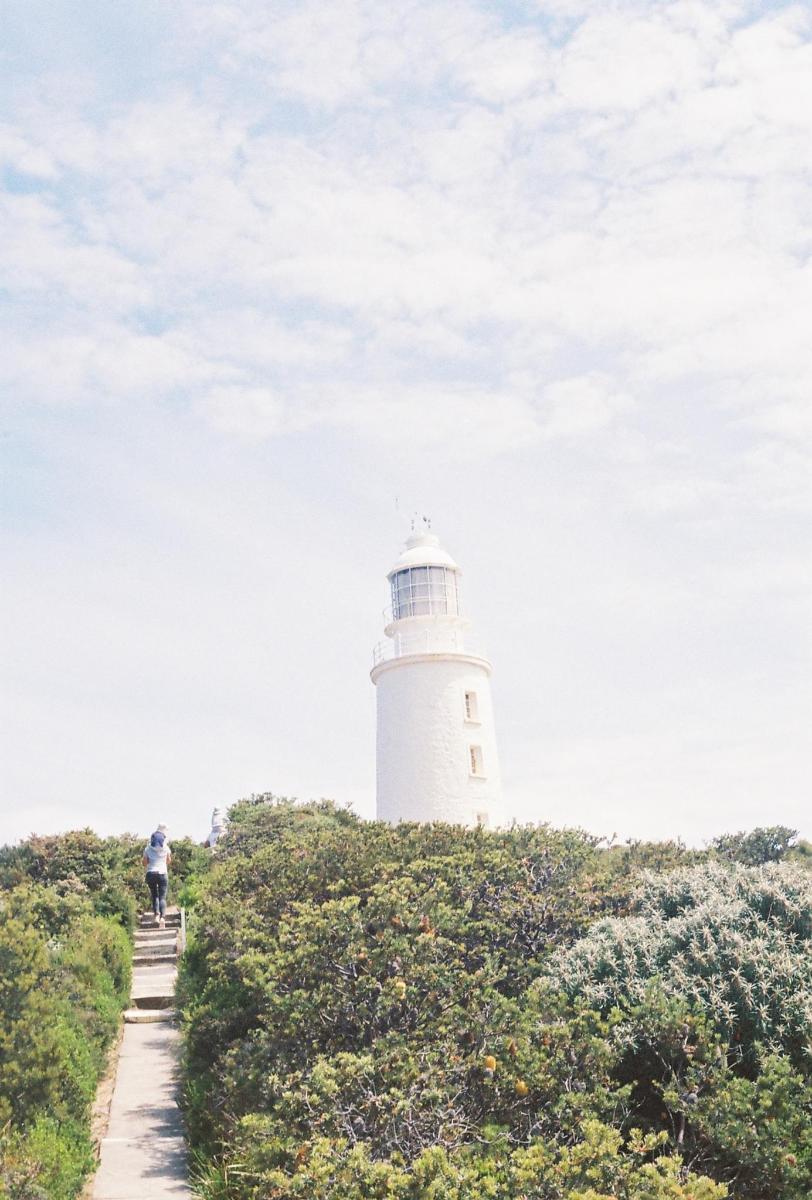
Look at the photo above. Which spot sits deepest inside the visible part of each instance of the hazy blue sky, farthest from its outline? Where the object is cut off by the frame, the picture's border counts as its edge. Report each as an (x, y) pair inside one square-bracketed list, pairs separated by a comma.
[(275, 275)]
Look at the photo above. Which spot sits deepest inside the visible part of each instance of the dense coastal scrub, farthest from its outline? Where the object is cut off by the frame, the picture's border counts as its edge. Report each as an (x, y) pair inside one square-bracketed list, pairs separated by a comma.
[(428, 1012), (64, 978), (107, 871), (67, 906), (454, 1014)]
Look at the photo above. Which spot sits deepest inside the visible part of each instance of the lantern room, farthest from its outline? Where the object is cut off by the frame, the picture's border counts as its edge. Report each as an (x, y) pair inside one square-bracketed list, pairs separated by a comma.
[(425, 581)]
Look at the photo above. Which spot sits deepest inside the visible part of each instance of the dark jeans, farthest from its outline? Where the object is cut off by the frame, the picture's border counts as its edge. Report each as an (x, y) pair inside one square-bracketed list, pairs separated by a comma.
[(158, 883)]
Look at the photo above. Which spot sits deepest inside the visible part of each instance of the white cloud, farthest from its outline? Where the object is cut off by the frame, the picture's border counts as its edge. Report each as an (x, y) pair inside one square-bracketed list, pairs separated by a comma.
[(20, 155), (617, 63), (468, 423), (252, 412), (108, 366), (550, 260), (581, 185), (582, 405)]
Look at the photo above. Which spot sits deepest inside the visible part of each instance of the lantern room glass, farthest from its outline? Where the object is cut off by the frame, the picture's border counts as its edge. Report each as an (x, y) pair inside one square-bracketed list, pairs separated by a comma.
[(424, 592)]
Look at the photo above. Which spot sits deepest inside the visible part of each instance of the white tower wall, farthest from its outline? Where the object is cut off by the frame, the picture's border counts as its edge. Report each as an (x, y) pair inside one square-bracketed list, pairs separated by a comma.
[(424, 741), (436, 743)]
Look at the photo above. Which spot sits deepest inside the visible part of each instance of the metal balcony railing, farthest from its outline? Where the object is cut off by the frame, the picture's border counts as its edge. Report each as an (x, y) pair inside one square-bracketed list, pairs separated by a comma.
[(429, 641)]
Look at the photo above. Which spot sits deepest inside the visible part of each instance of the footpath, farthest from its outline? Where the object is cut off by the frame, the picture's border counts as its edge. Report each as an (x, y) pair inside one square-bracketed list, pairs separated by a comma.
[(143, 1154)]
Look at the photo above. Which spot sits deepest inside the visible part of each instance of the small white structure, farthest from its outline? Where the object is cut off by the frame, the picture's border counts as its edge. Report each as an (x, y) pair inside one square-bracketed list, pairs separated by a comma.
[(219, 825), (436, 748)]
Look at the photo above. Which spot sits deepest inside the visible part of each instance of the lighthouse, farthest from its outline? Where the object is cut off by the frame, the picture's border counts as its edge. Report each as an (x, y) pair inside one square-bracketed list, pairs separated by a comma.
[(436, 744)]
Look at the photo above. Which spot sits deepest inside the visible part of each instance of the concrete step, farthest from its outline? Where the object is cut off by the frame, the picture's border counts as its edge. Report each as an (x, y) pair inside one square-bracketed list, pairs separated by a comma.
[(150, 949), (148, 1016), (145, 978), (146, 923), (153, 960), (158, 985), (156, 999)]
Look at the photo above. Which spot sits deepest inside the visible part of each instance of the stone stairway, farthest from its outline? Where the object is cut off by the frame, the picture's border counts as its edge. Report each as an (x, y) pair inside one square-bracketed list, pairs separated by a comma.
[(143, 1155), (155, 963)]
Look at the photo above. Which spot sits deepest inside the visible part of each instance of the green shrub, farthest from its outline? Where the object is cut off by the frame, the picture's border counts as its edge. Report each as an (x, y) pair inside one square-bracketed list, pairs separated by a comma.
[(361, 1018), (64, 978), (30, 1066), (21, 1174), (81, 864), (709, 985), (732, 941), (67, 904), (107, 872), (47, 1162), (760, 846)]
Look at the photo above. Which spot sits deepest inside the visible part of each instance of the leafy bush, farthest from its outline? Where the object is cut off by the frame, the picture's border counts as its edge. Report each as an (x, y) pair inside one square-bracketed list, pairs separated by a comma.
[(731, 941), (766, 845), (709, 987), (361, 1021), (80, 863), (106, 871), (64, 978), (66, 904), (801, 853), (48, 1162), (429, 1012)]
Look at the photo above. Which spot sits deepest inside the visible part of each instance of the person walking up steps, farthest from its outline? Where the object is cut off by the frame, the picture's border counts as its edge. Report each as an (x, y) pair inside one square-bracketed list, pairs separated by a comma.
[(156, 858)]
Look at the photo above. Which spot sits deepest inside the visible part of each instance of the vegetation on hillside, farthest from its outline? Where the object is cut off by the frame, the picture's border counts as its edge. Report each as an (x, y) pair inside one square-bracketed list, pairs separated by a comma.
[(67, 905), (431, 1012), (428, 1012), (107, 871)]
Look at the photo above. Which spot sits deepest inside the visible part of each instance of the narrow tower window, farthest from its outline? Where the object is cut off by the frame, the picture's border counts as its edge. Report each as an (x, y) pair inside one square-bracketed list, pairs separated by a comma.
[(471, 708), (476, 760)]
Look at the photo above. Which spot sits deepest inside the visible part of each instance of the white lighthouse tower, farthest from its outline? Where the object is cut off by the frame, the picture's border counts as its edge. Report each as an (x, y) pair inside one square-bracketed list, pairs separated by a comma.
[(436, 746)]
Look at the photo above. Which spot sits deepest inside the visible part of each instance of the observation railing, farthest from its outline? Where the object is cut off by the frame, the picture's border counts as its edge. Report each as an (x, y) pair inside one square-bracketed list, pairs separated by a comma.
[(429, 641)]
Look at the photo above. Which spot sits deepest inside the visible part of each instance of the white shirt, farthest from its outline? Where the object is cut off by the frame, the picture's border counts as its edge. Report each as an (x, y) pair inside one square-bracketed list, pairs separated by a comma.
[(156, 857)]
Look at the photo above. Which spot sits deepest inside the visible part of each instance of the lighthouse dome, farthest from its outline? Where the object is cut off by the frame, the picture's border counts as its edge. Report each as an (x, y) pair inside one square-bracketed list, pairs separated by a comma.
[(423, 550), (424, 580)]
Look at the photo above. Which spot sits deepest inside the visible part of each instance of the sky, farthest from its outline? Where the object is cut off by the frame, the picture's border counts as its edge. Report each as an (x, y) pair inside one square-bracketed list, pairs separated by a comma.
[(275, 276)]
